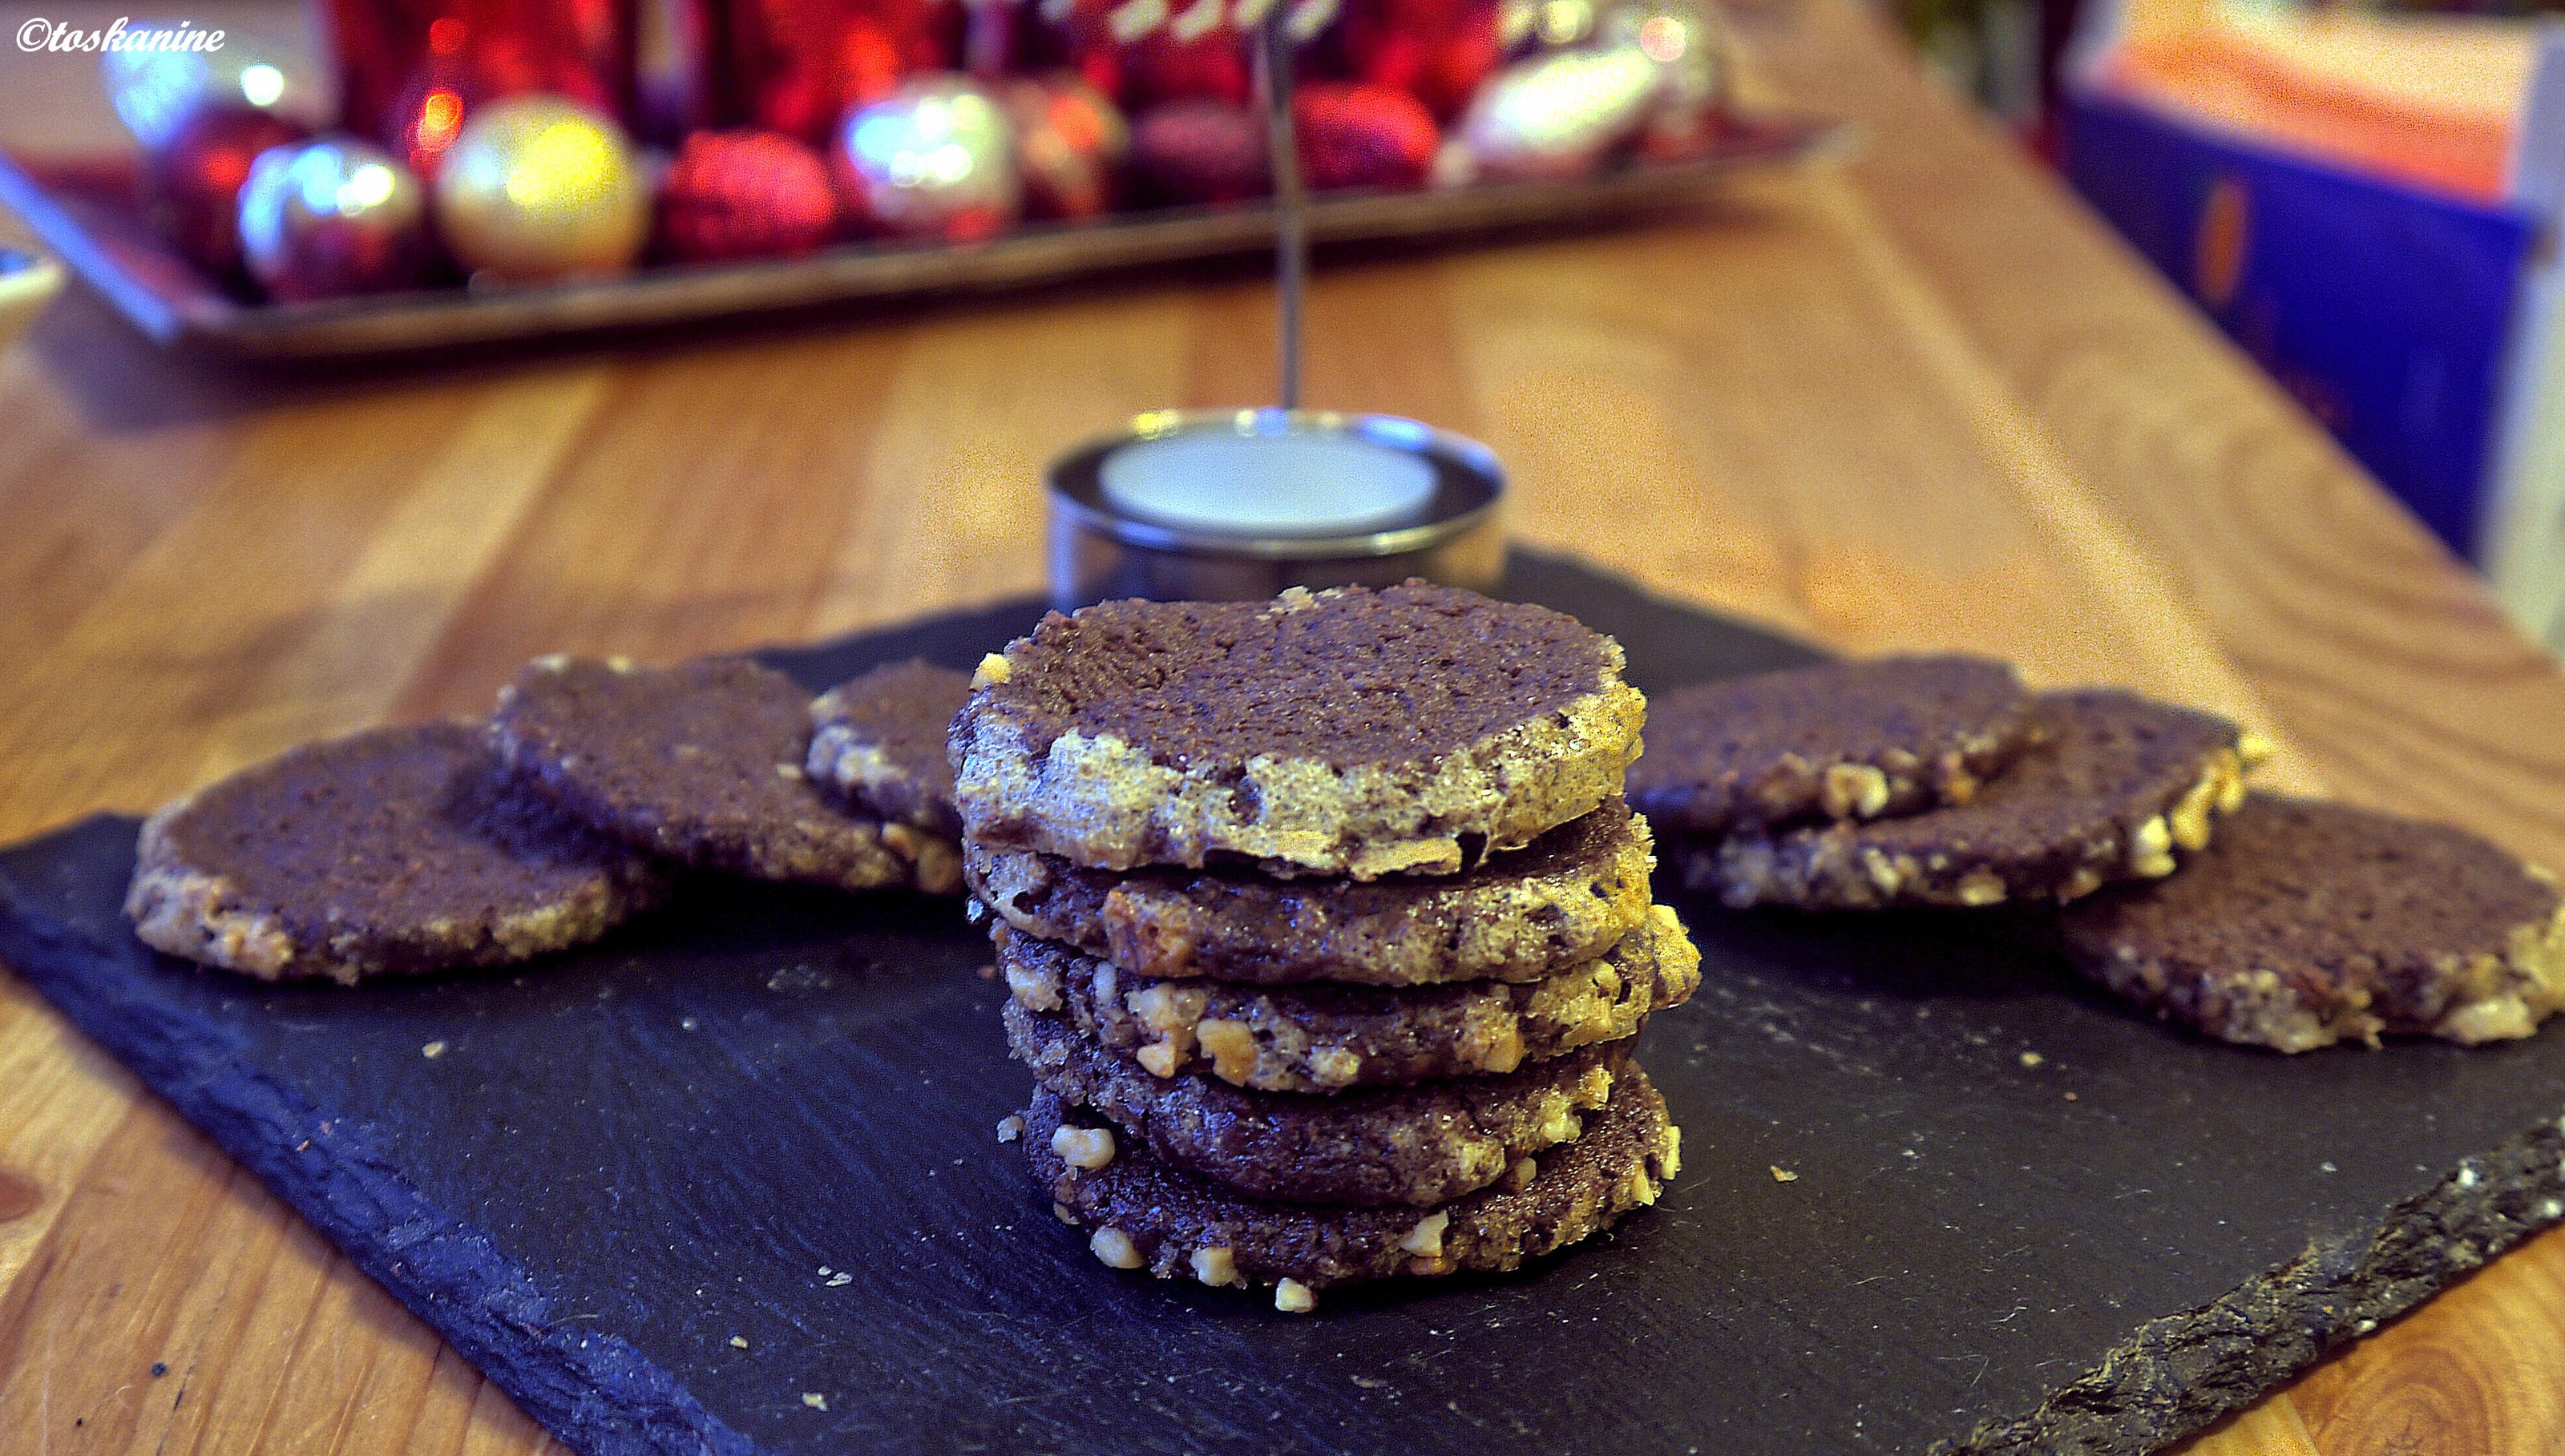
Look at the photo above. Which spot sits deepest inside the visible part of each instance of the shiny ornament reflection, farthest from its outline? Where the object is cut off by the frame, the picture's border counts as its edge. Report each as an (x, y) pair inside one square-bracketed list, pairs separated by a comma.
[(156, 93), (542, 188), (1558, 116), (333, 217), (1070, 144), (1682, 39), (935, 159)]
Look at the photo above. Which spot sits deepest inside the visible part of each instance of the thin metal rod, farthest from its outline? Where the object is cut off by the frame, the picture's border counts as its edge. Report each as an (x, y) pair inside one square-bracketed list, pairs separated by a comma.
[(1290, 201)]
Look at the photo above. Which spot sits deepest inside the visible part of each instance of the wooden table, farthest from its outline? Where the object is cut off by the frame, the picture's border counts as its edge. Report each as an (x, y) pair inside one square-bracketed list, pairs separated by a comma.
[(1923, 401)]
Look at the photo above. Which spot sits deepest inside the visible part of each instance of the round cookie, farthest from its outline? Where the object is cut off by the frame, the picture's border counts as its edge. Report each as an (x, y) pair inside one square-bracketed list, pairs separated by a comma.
[(2114, 786), (1326, 1038), (1147, 1215), (1837, 740), (2308, 923), (1417, 1145), (1564, 899), (701, 762), (1350, 731), (878, 739), (392, 852)]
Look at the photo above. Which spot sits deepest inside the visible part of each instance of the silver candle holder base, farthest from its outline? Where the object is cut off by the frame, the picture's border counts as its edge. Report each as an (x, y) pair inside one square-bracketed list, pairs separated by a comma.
[(1102, 549)]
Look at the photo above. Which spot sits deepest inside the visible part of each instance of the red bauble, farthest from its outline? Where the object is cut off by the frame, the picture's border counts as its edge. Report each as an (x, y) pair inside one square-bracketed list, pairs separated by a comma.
[(1200, 151), (799, 65), (1176, 64), (1438, 51), (193, 183), (745, 194), (1363, 136)]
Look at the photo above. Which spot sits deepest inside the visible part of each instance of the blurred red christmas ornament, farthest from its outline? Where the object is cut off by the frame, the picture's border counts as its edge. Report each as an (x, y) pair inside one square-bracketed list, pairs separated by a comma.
[(1195, 54), (1438, 51), (1364, 135), (798, 66), (745, 194), (1070, 143), (1200, 151), (193, 182)]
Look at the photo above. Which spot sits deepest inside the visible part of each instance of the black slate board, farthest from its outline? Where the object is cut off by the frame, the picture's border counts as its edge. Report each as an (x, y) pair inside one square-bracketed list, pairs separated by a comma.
[(626, 1159)]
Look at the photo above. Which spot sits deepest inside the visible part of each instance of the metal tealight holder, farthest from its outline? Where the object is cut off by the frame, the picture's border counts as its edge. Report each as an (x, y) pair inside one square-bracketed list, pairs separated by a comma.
[(1239, 504)]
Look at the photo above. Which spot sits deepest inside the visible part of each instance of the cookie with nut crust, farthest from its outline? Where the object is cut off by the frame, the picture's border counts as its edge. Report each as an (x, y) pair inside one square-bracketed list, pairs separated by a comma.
[(702, 763), (878, 741), (392, 852), (2115, 787), (1562, 901), (1315, 1037), (2307, 923), (1142, 1213), (1859, 739), (1343, 732), (1417, 1145)]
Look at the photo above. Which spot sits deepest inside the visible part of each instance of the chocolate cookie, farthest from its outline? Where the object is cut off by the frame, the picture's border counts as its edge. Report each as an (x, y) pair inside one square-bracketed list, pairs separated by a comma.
[(701, 762), (1326, 1038), (1350, 731), (1838, 740), (2309, 922), (392, 852), (2115, 786), (1561, 901), (1147, 1215), (878, 739), (1418, 1145)]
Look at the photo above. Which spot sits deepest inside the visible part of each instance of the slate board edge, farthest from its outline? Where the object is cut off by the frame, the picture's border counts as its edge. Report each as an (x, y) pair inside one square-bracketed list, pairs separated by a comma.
[(597, 1392), (2178, 1374)]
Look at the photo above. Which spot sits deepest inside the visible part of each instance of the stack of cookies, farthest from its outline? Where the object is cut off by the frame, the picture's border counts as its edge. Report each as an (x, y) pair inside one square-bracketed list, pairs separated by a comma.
[(1326, 929), (2291, 923)]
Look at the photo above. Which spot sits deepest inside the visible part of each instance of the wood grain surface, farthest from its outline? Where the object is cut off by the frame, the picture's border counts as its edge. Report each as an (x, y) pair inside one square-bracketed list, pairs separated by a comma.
[(1922, 400)]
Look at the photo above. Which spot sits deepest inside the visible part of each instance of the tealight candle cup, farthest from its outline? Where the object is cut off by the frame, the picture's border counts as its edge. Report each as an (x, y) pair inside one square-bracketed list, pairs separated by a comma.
[(1237, 504)]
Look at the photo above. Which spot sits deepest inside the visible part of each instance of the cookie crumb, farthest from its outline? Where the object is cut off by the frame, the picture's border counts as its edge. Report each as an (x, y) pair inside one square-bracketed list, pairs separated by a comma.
[(1217, 1266), (1783, 1174), (1293, 1297), (2032, 1059), (815, 1400), (1087, 1148), (738, 1342), (840, 1279), (1115, 1248), (1011, 1126), (432, 1050)]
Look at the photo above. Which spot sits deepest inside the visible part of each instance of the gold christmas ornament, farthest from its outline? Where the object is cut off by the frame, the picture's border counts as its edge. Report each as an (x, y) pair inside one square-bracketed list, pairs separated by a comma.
[(538, 188)]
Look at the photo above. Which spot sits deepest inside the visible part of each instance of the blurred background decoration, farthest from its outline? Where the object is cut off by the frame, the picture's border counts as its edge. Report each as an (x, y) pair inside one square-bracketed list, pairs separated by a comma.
[(2364, 200), (504, 141)]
